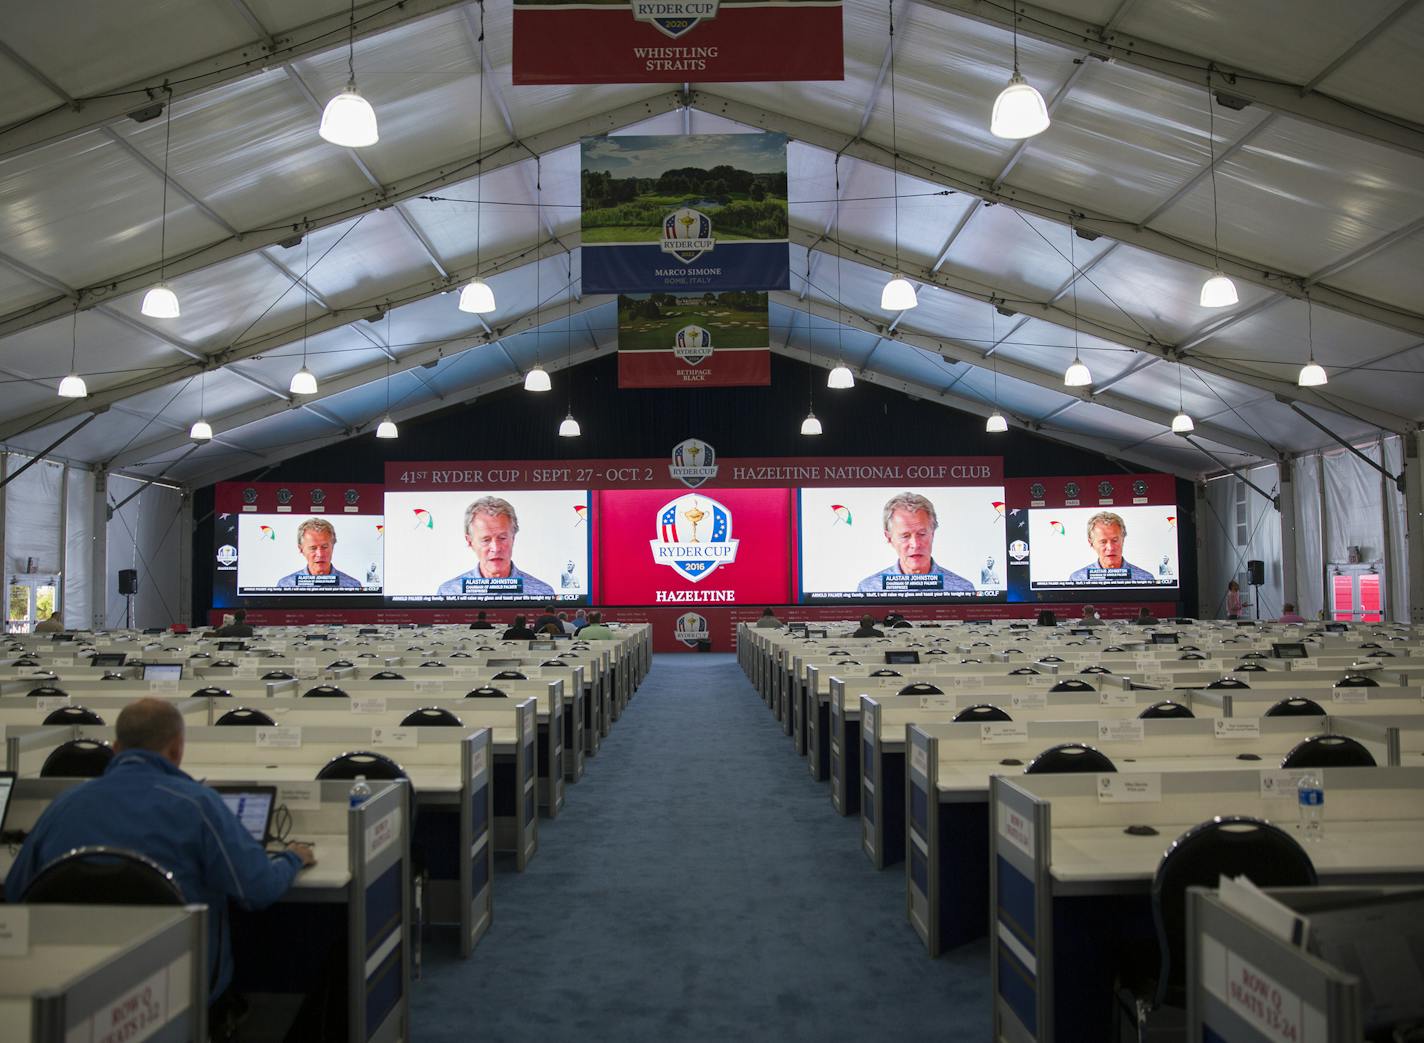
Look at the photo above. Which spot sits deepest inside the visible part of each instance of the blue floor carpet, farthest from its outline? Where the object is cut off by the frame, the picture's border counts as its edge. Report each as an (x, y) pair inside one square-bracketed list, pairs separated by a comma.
[(699, 886)]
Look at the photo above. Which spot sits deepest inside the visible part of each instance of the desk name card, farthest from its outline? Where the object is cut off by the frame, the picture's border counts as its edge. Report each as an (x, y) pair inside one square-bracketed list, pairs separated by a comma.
[(14, 930), (1130, 789), (1350, 695), (50, 703), (919, 760), (1038, 682), (369, 704), (1237, 727), (1029, 700), (382, 833), (1278, 784), (1161, 680), (401, 737), (478, 759), (1129, 729), (299, 796), (429, 686), (1118, 698), (1002, 732), (163, 686), (969, 682), (937, 702), (289, 737)]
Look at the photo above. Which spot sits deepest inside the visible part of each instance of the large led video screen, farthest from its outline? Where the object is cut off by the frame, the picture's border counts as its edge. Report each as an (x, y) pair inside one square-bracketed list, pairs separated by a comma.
[(1117, 548), (499, 547), (897, 544), (301, 555)]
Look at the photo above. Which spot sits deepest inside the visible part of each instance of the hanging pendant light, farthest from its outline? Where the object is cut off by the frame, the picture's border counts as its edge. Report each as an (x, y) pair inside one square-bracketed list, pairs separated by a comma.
[(898, 294), (811, 425), (202, 431), (996, 424), (1312, 374), (1181, 423), (348, 119), (160, 302), (1019, 111), (304, 380), (569, 427), (840, 378), (1077, 375), (477, 297), (537, 379), (1218, 291), (73, 385), (387, 427)]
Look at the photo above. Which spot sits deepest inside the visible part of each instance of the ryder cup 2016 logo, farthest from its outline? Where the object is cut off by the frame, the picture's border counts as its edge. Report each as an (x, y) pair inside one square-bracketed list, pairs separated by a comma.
[(692, 344), (693, 463), (674, 17), (691, 628), (694, 537), (687, 234)]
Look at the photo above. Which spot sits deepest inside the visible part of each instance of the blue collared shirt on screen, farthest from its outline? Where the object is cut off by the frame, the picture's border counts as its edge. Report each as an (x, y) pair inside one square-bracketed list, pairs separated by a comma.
[(1134, 575), (953, 582), (343, 581), (533, 587)]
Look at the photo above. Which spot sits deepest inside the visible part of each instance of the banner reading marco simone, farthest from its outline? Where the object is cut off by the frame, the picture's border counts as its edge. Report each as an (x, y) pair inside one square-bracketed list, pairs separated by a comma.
[(684, 214), (676, 41)]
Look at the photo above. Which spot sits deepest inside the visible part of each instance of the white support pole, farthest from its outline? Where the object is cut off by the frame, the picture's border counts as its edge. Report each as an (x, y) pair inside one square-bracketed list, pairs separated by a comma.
[(1414, 520), (182, 611), (99, 553), (1286, 492), (1206, 601)]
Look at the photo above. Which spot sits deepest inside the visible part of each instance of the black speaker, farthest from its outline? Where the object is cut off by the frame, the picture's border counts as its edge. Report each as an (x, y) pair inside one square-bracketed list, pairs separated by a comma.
[(128, 581), (1256, 573)]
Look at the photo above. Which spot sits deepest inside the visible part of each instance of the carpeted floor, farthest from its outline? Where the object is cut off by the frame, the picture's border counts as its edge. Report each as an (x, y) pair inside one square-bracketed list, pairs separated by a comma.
[(699, 886)]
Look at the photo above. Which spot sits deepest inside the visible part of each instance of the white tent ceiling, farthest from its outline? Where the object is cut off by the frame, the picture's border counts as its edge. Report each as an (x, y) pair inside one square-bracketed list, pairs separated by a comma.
[(1319, 181)]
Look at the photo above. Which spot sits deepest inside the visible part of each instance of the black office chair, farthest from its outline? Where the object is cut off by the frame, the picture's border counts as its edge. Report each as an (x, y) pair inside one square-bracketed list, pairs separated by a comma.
[(325, 691), (278, 675), (73, 715), (1069, 758), (1191, 655), (431, 716), (1020, 671), (920, 688), (1113, 648), (484, 648), (459, 655), (243, 715), (552, 662), (1255, 655), (849, 662), (431, 662), (367, 655), (25, 662), (981, 713), (1296, 707), (901, 624), (1328, 751), (1013, 651), (1165, 710), (77, 759), (387, 675), (1095, 670), (211, 692), (485, 692), (1381, 654), (962, 662), (224, 663), (340, 664), (375, 766), (1189, 648), (1228, 683), (1054, 658), (1357, 681), (48, 691), (200, 655), (509, 675), (886, 673), (113, 677), (1072, 684), (103, 876), (1249, 668)]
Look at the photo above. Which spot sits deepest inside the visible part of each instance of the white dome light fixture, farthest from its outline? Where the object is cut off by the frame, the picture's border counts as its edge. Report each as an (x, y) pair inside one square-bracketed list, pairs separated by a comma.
[(537, 379), (1077, 375), (898, 294), (811, 425), (1181, 423), (73, 386), (1218, 291), (569, 427), (201, 431), (161, 302), (348, 119), (996, 424), (387, 428), (1312, 374), (477, 297), (1019, 111), (840, 378), (303, 382)]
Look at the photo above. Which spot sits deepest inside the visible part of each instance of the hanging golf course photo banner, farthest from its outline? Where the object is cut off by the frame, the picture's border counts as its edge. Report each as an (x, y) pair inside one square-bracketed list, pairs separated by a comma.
[(693, 340), (676, 41), (684, 214)]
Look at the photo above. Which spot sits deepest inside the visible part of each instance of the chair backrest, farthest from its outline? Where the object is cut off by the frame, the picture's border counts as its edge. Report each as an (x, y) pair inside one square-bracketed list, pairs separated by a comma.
[(1165, 710), (1328, 751), (1255, 655), (22, 661), (921, 688), (1022, 670), (436, 716), (1191, 655), (1054, 658), (1095, 670), (325, 691), (364, 762), (1249, 668), (339, 664), (431, 662), (485, 691), (211, 691), (103, 876), (886, 673), (226, 663), (73, 715), (1229, 683), (1071, 684), (387, 675), (510, 675), (278, 675), (1297, 706), (1069, 757), (48, 691), (77, 759), (1225, 846), (1357, 681), (982, 712), (244, 715)]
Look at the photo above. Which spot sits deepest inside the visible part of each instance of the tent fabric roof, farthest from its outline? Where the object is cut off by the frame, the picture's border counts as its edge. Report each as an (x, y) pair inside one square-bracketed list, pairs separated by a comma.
[(1319, 195)]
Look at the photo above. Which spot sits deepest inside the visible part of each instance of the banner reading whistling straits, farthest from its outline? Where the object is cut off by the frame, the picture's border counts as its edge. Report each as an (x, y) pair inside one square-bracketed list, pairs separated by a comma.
[(685, 214), (676, 41)]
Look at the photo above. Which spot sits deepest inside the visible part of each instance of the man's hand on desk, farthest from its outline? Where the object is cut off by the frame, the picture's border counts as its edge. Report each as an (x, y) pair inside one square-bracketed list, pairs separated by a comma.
[(305, 853)]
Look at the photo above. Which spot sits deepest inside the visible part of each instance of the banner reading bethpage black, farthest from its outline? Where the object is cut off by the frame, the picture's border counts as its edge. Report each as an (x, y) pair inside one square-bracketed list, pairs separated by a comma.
[(685, 214)]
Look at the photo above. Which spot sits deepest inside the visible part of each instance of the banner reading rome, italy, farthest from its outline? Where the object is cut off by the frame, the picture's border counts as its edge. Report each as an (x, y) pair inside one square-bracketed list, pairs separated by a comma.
[(676, 41), (684, 213)]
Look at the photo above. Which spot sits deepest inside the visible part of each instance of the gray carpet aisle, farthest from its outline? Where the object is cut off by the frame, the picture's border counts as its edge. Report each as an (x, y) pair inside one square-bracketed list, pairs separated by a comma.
[(699, 886)]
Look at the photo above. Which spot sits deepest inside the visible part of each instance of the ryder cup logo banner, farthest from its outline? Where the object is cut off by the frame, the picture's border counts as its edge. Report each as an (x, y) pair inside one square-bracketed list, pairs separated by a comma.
[(693, 463), (694, 340), (691, 628), (692, 344), (694, 537), (676, 41), (681, 214)]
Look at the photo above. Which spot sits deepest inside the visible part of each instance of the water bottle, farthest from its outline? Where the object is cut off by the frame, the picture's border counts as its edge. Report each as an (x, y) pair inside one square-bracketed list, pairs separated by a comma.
[(1310, 795), (361, 792)]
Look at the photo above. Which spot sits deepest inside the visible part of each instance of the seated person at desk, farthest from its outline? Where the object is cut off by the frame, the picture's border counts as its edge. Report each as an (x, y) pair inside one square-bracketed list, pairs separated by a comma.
[(235, 625), (316, 539), (867, 628), (517, 632), (910, 526), (596, 629), (1145, 617), (1090, 617), (144, 803), (481, 623), (580, 620), (53, 625), (1290, 615), (490, 528), (768, 620), (1107, 533), (566, 623), (551, 615)]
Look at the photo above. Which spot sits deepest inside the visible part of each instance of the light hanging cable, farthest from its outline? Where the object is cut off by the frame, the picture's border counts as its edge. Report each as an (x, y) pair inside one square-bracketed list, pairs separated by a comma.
[(898, 294), (996, 424), (840, 377), (537, 379), (811, 425), (1077, 375), (304, 380), (1312, 374), (348, 119), (202, 431), (1019, 111), (387, 427), (1218, 291), (160, 302), (73, 385), (569, 427), (477, 297), (1181, 423)]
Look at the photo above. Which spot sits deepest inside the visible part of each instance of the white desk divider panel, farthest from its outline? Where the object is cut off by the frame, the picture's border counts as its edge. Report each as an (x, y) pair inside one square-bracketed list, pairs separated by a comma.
[(1061, 860), (1350, 702), (105, 972)]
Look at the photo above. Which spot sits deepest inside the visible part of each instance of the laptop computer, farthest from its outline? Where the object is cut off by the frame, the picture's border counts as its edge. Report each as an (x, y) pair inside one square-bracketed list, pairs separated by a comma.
[(108, 658), (7, 786), (253, 806), (163, 671)]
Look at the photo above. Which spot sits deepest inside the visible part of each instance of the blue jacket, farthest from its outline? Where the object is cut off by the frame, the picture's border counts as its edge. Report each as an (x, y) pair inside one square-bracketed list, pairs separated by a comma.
[(144, 803)]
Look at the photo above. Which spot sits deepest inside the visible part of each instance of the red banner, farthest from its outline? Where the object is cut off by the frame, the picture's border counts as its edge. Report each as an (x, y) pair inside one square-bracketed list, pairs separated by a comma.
[(663, 369), (676, 41)]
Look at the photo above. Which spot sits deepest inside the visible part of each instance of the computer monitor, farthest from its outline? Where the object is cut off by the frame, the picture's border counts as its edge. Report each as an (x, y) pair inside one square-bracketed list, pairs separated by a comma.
[(61, 637), (232, 646), (542, 646), (317, 637), (108, 659), (1081, 631), (504, 664), (7, 786), (163, 671), (367, 630), (1164, 639), (903, 656), (253, 807), (1336, 628), (814, 632), (796, 628), (1289, 650)]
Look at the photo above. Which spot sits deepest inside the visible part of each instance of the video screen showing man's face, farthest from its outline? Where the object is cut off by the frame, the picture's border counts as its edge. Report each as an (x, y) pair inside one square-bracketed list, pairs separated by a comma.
[(491, 537), (317, 545), (912, 535), (1106, 539)]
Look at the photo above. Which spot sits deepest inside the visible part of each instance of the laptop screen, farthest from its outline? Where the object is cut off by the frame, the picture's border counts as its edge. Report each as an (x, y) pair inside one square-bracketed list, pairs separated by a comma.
[(503, 663), (253, 807), (7, 785), (902, 657), (108, 658), (163, 671)]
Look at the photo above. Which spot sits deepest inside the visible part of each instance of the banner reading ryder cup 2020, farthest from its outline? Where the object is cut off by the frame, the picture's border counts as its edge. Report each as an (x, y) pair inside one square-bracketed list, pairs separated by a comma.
[(676, 41)]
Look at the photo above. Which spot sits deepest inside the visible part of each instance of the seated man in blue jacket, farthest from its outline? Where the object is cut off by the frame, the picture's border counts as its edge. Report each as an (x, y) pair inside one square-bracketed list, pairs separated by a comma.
[(145, 804)]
